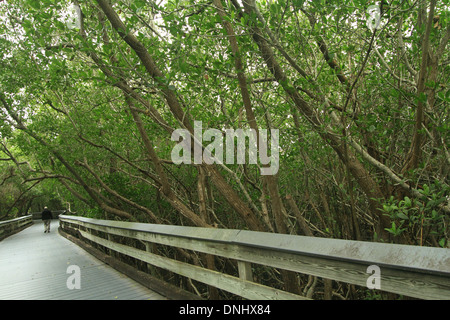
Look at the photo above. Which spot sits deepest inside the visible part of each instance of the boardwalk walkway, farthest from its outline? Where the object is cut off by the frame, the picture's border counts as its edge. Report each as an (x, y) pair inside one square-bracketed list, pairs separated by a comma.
[(33, 265)]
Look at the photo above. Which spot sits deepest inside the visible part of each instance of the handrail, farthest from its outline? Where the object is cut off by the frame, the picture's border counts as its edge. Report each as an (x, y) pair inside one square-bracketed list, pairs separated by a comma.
[(421, 272), (10, 227)]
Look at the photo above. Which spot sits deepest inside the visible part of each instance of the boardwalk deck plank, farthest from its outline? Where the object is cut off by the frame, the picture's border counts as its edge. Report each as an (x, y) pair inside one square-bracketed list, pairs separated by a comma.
[(33, 266)]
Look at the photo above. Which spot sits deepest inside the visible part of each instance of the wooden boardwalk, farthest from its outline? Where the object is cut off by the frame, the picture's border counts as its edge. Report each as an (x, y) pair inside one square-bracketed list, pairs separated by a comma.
[(33, 266)]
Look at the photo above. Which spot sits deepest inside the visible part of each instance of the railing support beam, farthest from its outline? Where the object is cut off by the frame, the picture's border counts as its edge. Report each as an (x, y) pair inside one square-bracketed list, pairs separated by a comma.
[(245, 270)]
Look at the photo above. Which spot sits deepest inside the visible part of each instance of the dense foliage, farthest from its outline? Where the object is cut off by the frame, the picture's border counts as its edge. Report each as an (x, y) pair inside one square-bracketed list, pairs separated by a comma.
[(91, 91)]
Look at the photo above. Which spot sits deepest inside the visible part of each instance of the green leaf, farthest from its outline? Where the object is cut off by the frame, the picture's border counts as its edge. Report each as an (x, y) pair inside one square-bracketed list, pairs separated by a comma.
[(425, 190), (403, 216), (422, 97), (35, 4), (407, 201)]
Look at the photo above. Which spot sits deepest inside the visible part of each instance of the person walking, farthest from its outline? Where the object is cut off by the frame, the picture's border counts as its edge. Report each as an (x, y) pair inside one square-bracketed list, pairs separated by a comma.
[(47, 218)]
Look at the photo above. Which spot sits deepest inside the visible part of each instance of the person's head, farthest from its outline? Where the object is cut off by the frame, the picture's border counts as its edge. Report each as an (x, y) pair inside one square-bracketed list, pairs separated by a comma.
[(45, 208)]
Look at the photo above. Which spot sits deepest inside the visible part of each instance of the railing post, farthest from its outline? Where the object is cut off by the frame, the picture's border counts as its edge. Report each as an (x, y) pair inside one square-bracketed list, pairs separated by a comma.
[(110, 251), (149, 248), (245, 270)]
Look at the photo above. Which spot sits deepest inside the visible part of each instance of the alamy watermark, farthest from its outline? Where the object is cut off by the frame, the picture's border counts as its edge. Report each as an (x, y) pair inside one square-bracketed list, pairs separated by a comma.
[(74, 280), (223, 143), (373, 22), (373, 281)]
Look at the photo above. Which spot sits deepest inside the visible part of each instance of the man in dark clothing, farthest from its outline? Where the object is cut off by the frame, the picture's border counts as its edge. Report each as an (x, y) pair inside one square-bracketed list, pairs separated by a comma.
[(47, 218)]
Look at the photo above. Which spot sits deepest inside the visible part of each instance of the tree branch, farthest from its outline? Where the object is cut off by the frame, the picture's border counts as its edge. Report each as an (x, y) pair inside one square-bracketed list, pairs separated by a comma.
[(116, 194)]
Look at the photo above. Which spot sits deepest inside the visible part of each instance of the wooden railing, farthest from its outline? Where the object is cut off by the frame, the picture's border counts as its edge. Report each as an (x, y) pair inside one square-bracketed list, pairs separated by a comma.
[(421, 272), (10, 227)]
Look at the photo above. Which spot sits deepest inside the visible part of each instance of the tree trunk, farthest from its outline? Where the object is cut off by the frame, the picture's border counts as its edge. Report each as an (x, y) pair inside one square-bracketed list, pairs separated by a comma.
[(361, 175), (415, 152), (176, 108)]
